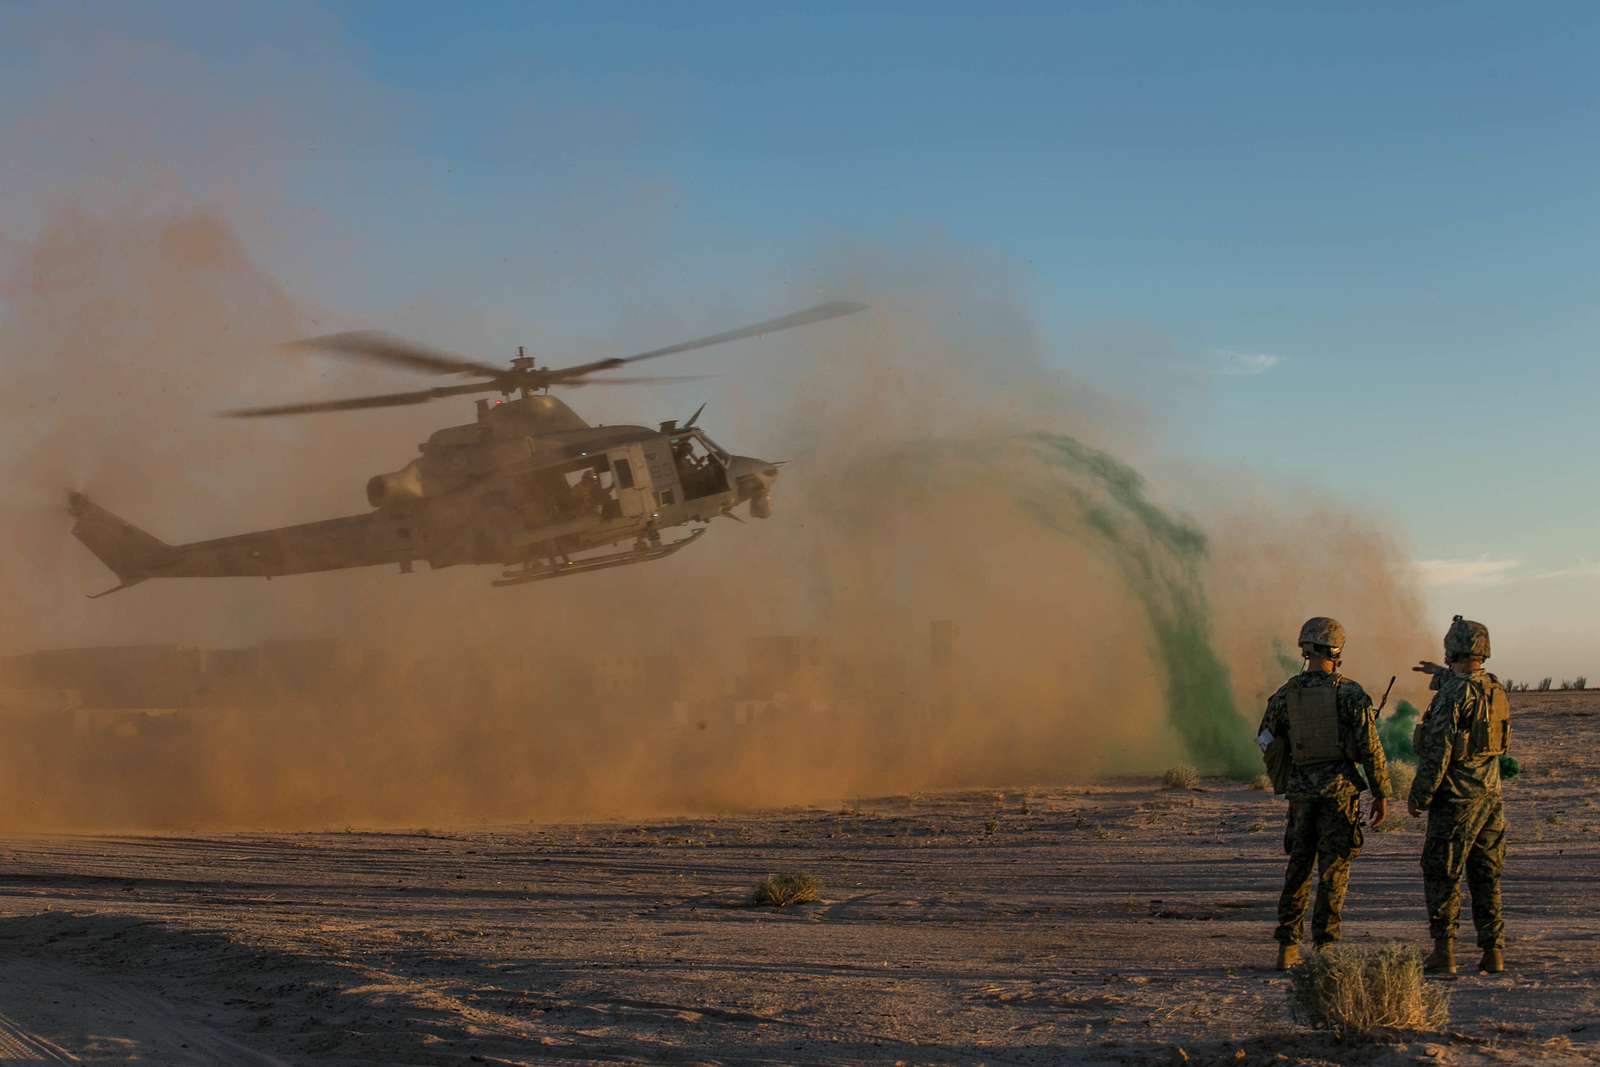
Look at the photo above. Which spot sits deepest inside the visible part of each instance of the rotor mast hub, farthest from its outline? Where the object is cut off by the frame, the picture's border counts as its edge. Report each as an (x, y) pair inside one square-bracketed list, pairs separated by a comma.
[(523, 367)]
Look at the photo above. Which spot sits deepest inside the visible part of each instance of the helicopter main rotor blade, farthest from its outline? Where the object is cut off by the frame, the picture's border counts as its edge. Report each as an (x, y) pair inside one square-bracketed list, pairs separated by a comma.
[(820, 313), (355, 403), (635, 380), (378, 347)]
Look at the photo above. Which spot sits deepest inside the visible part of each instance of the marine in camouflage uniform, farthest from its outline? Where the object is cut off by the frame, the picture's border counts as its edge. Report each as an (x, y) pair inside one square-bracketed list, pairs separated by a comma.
[(1337, 729), (1466, 729)]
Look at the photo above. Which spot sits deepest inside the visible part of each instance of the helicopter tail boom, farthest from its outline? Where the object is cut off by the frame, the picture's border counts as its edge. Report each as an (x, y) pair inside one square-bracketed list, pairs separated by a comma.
[(331, 544), (127, 550)]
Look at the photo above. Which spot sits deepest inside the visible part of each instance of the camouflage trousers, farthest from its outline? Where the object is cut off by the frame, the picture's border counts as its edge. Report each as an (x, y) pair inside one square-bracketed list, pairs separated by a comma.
[(1465, 837), (1325, 833)]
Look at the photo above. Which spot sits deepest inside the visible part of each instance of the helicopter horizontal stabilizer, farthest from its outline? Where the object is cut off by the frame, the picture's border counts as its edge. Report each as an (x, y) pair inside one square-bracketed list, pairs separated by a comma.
[(127, 550)]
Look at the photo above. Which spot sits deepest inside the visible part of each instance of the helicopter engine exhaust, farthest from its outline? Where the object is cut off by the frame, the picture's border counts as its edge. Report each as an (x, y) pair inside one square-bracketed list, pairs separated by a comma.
[(403, 485)]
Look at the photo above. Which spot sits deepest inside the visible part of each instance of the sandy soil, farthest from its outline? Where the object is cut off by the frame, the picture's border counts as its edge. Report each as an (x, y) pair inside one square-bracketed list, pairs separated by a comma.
[(1108, 923)]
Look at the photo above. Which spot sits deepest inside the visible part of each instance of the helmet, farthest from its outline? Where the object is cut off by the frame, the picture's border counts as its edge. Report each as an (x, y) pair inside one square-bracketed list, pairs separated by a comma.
[(1323, 631), (1465, 639)]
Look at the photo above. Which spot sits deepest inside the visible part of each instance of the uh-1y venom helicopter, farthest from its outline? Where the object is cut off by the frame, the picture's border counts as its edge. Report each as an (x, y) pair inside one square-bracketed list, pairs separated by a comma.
[(529, 485)]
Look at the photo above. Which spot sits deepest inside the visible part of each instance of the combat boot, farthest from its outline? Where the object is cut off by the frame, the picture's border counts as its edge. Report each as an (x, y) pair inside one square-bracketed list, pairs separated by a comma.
[(1288, 956), (1493, 962), (1442, 960)]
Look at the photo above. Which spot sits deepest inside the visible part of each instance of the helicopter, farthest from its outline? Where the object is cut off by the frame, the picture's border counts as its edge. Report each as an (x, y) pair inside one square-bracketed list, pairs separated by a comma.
[(528, 485)]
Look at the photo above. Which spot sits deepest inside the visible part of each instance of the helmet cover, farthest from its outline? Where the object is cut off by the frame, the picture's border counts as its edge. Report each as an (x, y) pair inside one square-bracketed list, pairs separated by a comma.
[(1466, 640), (1323, 631)]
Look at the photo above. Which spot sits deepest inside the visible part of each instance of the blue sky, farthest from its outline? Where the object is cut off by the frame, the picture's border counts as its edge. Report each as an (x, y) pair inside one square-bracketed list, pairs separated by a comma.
[(1369, 226)]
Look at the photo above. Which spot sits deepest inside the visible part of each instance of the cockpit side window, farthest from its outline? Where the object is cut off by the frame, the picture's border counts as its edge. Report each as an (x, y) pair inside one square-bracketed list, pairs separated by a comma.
[(702, 468)]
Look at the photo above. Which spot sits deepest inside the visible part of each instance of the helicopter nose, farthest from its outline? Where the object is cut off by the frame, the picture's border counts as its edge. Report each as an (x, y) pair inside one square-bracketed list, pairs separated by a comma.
[(753, 476), (752, 480)]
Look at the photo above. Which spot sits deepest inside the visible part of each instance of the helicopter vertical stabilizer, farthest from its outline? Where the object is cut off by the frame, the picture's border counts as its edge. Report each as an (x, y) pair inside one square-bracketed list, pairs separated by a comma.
[(127, 550)]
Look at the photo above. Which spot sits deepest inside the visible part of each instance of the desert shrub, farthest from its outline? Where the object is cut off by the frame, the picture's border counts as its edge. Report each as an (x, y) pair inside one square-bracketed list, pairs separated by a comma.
[(1401, 775), (1262, 782), (1357, 991), (1565, 684), (1544, 685), (1509, 767), (782, 890), (1180, 777), (1580, 682), (1395, 732)]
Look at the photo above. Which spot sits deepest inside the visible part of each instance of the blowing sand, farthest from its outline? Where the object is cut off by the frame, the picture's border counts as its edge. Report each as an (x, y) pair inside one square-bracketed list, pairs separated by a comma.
[(1110, 923)]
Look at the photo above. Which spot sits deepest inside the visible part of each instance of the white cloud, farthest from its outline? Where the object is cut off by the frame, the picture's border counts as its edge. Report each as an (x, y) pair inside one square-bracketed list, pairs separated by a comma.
[(1244, 363), (1582, 569), (1488, 571), (1471, 572)]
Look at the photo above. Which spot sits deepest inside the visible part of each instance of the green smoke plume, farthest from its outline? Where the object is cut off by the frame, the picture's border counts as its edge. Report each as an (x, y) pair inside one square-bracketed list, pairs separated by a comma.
[(1395, 732), (1103, 500), (1097, 499)]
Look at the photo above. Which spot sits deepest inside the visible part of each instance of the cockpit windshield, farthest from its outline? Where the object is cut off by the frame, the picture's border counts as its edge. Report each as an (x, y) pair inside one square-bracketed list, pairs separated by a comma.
[(712, 447)]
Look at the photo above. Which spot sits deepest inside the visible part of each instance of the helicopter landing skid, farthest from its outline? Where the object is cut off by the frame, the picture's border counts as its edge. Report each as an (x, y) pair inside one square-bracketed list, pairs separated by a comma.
[(543, 572)]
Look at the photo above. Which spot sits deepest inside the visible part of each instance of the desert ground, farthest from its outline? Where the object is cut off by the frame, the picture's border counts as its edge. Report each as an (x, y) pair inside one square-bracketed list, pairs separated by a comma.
[(1112, 922)]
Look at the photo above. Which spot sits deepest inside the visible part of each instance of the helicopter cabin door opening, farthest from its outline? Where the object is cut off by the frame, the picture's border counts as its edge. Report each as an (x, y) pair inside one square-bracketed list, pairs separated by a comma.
[(630, 480)]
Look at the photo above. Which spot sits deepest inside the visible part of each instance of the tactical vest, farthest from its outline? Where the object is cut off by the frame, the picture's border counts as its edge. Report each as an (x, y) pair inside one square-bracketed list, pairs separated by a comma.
[(1489, 733), (1313, 715), (1487, 730)]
